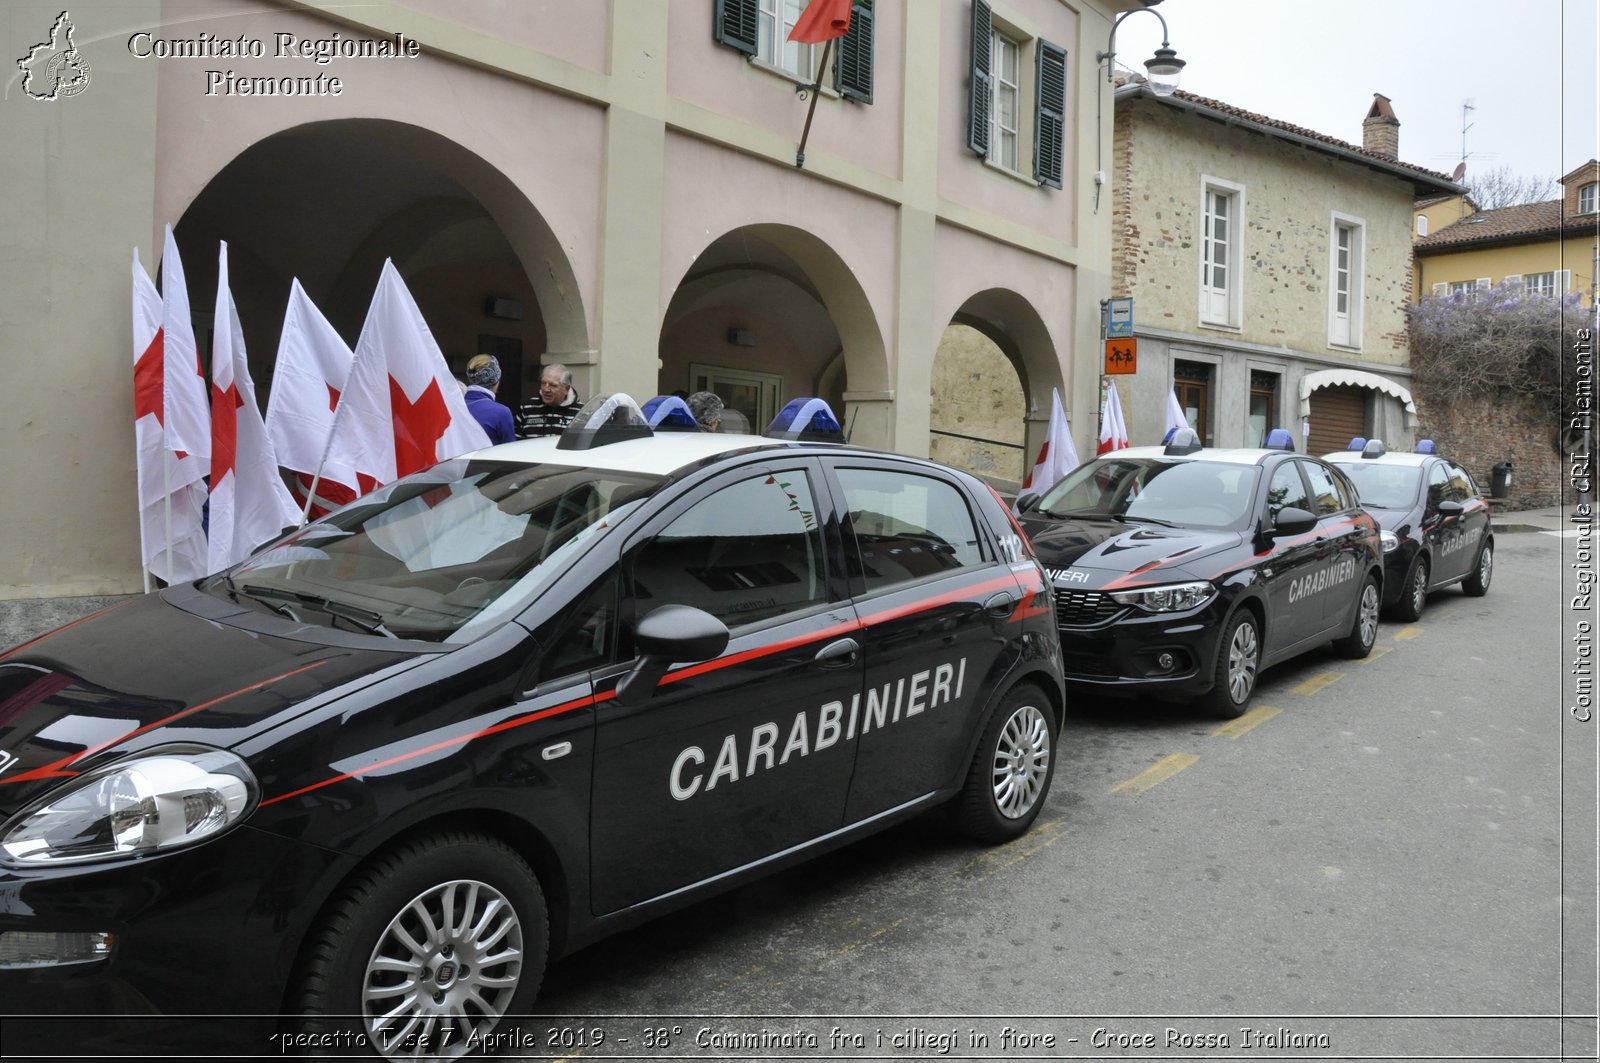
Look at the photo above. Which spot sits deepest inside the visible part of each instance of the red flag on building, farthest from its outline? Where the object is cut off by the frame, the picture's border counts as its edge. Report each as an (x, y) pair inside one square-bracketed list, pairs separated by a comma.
[(822, 20), (249, 504)]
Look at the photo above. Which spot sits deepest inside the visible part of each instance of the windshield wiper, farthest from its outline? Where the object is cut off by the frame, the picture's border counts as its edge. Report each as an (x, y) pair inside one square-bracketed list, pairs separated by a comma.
[(368, 620), (1078, 514), (1129, 517), (254, 594)]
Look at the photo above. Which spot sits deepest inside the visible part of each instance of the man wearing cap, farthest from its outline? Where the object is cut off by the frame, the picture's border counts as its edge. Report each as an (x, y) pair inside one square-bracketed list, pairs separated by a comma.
[(483, 381)]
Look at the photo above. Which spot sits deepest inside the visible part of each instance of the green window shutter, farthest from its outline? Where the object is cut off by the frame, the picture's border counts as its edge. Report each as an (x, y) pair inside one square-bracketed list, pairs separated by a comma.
[(979, 87), (1049, 131), (852, 71), (734, 24)]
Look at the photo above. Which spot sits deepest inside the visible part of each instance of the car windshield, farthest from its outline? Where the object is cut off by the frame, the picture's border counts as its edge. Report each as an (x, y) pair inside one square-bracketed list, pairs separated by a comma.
[(437, 554), (1195, 494), (1384, 486)]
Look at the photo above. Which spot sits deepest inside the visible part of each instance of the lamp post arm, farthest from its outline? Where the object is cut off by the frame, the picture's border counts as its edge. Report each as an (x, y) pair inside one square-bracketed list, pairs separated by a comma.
[(1111, 45)]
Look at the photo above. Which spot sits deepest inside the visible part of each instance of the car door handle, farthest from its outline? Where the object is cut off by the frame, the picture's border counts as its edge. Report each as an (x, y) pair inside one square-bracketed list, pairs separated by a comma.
[(838, 654), (1001, 605)]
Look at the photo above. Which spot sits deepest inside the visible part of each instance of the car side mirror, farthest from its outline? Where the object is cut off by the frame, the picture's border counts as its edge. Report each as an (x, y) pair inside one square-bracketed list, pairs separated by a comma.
[(1293, 521), (1026, 505), (1450, 508), (666, 636)]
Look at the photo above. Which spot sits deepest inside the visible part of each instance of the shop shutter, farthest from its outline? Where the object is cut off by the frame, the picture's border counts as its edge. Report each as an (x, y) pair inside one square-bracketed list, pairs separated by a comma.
[(1338, 414)]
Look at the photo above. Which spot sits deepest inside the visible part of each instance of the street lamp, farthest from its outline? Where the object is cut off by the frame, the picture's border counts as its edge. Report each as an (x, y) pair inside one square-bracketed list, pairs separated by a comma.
[(1162, 73), (1162, 70)]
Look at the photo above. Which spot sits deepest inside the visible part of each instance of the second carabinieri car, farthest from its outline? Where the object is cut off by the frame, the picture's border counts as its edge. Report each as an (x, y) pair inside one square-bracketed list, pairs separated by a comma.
[(1435, 522), (1181, 571)]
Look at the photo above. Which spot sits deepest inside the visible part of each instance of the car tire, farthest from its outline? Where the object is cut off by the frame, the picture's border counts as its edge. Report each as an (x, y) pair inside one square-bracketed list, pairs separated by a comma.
[(1237, 669), (1414, 594), (1011, 771), (1477, 584), (1364, 628), (423, 908)]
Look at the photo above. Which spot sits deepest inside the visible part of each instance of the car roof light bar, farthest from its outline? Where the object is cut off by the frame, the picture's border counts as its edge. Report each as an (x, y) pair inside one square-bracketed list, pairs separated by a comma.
[(668, 413), (1279, 439), (1357, 443), (1426, 446), (605, 419), (806, 419), (1374, 448), (1182, 441)]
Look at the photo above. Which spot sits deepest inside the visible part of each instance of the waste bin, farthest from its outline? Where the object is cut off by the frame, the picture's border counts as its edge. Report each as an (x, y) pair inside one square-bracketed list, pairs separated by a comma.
[(1500, 481)]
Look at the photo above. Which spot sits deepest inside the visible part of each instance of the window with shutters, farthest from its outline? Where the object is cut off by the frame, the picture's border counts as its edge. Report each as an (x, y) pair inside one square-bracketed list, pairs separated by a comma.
[(1221, 252), (760, 29), (1346, 271), (1017, 98)]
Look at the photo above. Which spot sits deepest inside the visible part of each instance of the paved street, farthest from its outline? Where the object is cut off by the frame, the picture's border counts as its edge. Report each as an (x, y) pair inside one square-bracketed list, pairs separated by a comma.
[(1374, 854)]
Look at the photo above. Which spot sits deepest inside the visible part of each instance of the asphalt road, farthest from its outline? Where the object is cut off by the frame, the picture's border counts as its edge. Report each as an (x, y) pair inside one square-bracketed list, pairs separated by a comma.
[(1371, 863)]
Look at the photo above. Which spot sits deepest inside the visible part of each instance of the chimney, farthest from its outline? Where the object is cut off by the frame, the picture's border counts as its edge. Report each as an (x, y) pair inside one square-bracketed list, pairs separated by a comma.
[(1380, 133)]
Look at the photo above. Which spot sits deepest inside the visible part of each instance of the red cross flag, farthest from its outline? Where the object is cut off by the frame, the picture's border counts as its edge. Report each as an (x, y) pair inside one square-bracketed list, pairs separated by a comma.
[(403, 408), (249, 504)]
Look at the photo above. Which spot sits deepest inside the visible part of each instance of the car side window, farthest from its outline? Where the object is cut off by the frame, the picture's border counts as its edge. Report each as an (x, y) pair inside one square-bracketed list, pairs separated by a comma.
[(907, 526), (748, 552), (1461, 485), (1324, 489), (1438, 486), (585, 637), (1286, 490)]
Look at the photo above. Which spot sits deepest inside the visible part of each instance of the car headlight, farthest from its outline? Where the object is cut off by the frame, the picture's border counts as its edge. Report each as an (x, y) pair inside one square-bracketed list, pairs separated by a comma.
[(162, 799), (1168, 598), (1391, 541)]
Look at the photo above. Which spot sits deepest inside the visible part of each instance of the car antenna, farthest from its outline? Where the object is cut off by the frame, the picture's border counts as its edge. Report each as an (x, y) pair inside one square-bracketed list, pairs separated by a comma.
[(851, 430)]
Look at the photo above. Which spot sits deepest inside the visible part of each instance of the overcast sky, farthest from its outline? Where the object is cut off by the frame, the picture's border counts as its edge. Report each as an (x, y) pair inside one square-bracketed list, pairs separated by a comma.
[(1527, 67)]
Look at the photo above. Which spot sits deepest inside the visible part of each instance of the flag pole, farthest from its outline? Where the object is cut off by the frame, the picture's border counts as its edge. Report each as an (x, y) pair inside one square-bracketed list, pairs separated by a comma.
[(816, 90)]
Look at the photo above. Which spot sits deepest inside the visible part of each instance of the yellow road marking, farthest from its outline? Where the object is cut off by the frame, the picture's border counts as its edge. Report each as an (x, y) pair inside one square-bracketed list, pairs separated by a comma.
[(1248, 722), (1159, 772), (882, 930), (1041, 829), (1377, 651), (1316, 683), (1407, 633)]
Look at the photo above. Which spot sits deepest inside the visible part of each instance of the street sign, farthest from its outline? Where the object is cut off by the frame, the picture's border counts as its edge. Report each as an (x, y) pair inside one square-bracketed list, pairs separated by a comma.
[(1119, 317), (1122, 355)]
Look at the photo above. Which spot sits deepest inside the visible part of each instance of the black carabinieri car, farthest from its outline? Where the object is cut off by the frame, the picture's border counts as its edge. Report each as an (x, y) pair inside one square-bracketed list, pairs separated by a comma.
[(1437, 527), (1183, 572), (373, 777)]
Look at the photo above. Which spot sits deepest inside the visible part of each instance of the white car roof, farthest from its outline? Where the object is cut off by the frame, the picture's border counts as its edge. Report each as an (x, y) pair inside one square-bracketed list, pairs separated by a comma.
[(1231, 456), (660, 454), (1391, 457)]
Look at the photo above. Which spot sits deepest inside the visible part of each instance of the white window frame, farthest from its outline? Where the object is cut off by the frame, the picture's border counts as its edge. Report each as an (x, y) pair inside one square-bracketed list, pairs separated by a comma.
[(1589, 198), (1541, 284), (1001, 137), (774, 20), (1347, 268), (1422, 225), (1222, 307), (705, 377)]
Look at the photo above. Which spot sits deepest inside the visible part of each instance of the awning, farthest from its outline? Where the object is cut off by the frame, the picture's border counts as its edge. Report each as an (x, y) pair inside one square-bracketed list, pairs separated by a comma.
[(1327, 378)]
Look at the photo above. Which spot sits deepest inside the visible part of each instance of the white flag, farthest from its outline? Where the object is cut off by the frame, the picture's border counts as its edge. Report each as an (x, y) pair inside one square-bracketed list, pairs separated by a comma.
[(186, 418), (1057, 457), (405, 411), (1113, 429), (249, 504), (1175, 415), (172, 494), (310, 375)]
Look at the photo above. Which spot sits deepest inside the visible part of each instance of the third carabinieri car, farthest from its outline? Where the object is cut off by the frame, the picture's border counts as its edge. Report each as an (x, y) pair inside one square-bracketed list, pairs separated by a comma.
[(1435, 521), (1182, 571)]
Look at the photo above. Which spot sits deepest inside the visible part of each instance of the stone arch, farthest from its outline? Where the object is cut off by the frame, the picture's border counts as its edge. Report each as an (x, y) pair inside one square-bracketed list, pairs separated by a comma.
[(328, 201), (768, 304)]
